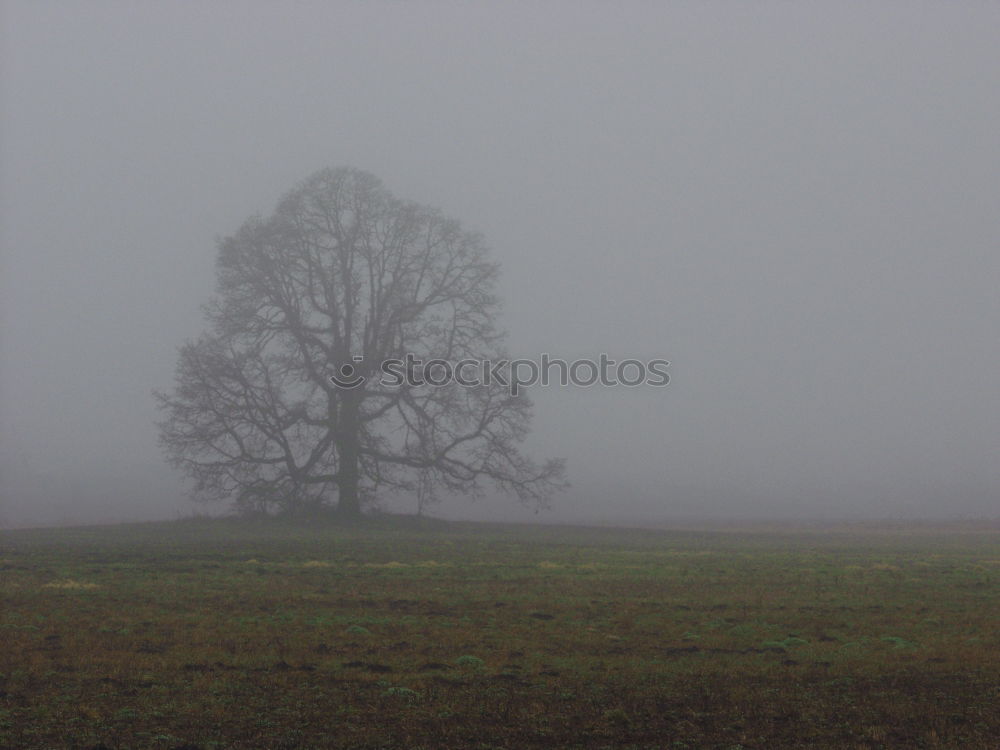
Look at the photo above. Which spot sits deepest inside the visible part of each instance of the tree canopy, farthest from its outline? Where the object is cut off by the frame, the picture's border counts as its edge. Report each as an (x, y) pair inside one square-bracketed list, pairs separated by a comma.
[(342, 278)]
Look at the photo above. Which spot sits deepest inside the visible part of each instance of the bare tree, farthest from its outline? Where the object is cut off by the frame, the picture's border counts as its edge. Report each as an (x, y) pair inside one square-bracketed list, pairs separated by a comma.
[(341, 278)]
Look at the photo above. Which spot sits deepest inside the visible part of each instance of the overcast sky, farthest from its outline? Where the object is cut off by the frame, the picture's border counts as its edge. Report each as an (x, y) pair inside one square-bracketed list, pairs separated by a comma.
[(797, 204)]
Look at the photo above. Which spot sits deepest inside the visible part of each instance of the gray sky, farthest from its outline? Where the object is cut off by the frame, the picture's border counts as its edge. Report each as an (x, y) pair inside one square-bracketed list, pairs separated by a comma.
[(797, 204)]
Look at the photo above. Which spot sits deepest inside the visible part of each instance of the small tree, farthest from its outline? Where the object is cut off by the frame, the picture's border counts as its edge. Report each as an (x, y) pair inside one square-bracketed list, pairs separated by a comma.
[(340, 279)]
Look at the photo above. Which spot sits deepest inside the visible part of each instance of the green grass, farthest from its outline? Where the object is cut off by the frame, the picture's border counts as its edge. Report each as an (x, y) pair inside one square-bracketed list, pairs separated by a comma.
[(271, 634)]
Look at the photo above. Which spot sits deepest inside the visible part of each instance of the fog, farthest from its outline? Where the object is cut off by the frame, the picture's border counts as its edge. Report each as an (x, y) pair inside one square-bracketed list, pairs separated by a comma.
[(794, 204)]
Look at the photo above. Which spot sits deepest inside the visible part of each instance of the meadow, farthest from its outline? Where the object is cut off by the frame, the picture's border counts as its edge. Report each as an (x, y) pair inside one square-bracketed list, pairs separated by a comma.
[(423, 634)]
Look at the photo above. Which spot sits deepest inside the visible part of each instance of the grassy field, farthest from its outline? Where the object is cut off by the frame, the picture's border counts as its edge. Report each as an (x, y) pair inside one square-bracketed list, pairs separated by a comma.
[(272, 634)]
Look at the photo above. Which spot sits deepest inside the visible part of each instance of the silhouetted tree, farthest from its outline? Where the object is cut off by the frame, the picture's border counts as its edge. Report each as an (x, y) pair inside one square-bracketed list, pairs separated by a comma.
[(341, 278)]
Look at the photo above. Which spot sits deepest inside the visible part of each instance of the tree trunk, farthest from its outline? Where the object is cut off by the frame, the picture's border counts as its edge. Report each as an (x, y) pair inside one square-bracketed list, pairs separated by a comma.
[(348, 470)]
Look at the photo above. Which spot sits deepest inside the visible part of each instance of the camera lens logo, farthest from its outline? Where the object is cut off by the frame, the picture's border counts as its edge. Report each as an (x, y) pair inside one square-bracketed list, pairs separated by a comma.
[(348, 375)]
